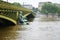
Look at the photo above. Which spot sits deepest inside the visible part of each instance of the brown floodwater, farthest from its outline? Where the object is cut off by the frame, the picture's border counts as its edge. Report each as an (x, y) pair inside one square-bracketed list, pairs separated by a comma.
[(36, 30), (10, 33)]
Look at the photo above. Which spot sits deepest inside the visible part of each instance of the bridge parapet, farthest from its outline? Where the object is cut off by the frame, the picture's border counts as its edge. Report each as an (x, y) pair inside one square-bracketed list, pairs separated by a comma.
[(9, 13)]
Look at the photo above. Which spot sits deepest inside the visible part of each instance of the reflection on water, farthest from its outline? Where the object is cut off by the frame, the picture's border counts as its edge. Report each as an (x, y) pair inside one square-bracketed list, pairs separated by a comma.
[(10, 33), (36, 30)]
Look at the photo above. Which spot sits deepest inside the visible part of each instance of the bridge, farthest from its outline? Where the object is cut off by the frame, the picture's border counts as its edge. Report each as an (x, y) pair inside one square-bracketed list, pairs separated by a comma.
[(9, 13)]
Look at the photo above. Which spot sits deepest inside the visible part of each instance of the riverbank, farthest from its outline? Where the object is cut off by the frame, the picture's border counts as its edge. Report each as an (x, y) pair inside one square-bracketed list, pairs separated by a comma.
[(49, 18)]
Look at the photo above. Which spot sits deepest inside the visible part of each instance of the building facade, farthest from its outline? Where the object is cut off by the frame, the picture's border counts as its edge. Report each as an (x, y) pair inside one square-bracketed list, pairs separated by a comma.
[(27, 6), (40, 5)]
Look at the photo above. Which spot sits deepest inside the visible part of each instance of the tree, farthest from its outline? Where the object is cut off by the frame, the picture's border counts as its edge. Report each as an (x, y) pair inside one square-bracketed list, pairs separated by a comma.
[(43, 10), (18, 4), (49, 8), (35, 9), (58, 11)]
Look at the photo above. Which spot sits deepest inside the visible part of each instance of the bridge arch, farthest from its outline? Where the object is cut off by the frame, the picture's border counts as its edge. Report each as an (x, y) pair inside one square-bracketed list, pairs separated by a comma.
[(10, 12), (4, 20)]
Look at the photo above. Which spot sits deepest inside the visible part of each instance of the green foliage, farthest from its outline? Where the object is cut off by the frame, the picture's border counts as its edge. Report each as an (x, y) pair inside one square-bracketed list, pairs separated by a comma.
[(18, 4), (49, 8), (35, 9), (58, 10)]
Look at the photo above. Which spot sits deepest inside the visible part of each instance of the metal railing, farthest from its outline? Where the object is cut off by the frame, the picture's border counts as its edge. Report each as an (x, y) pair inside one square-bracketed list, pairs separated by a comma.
[(9, 13)]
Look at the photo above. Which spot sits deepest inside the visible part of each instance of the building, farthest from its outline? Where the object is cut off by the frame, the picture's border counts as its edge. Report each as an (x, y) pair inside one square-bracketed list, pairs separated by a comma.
[(27, 6), (40, 5)]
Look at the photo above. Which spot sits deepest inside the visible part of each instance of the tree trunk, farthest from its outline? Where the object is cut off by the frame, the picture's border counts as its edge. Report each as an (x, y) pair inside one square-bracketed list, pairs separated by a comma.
[(53, 15), (47, 15)]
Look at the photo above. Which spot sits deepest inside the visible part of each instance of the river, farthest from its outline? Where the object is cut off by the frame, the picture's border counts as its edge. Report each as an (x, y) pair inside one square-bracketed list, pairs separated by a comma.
[(36, 30)]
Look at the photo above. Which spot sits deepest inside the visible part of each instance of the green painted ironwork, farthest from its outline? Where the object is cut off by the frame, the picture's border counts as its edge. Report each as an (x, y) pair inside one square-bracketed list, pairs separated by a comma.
[(11, 12), (10, 6)]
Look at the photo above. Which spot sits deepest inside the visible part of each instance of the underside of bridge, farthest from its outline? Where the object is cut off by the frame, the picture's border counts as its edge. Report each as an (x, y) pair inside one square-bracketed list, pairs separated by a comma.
[(30, 18), (4, 22)]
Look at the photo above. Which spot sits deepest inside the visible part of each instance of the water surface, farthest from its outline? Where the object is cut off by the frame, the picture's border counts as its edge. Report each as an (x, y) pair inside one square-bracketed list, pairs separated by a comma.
[(36, 30)]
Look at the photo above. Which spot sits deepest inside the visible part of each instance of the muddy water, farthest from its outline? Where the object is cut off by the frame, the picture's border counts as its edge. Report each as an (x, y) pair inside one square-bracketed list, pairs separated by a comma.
[(10, 33), (36, 30)]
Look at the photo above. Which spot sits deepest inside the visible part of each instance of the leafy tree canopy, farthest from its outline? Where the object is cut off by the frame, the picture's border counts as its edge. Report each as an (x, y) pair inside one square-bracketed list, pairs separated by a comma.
[(49, 8), (18, 4)]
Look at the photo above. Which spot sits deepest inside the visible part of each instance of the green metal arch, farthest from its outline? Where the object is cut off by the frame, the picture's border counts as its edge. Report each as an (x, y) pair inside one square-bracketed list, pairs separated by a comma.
[(7, 18)]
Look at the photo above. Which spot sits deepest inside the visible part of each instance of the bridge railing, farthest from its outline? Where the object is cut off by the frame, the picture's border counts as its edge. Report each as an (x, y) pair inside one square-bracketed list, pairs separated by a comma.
[(9, 13)]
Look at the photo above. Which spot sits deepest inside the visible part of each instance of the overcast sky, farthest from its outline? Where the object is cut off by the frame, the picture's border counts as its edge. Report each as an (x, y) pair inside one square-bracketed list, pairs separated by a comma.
[(33, 2)]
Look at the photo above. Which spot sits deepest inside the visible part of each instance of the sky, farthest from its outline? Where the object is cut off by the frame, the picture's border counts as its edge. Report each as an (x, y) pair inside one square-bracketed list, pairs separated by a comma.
[(34, 3)]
